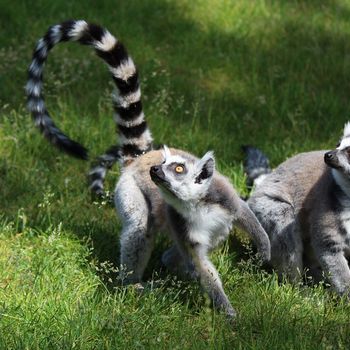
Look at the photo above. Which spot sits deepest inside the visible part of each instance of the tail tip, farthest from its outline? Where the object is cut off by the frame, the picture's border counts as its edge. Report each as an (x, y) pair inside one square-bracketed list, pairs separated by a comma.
[(249, 148), (75, 149), (256, 164)]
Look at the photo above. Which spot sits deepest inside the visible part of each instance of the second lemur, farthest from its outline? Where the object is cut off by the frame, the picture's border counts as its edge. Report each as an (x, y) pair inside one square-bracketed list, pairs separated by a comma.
[(304, 205)]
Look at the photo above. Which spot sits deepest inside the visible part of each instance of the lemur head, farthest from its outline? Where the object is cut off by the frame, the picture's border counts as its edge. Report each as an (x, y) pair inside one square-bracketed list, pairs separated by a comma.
[(339, 158), (182, 177)]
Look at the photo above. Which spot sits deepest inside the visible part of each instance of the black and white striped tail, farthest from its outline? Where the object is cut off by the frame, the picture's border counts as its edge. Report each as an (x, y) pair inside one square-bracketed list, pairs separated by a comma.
[(134, 136), (100, 167), (102, 164), (256, 165)]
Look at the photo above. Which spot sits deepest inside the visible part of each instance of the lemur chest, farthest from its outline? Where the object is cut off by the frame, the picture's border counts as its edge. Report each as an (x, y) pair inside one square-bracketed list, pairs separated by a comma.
[(209, 225)]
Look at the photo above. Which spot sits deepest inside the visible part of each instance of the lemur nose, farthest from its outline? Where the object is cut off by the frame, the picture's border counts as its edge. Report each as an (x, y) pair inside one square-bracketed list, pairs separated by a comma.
[(155, 168), (329, 155)]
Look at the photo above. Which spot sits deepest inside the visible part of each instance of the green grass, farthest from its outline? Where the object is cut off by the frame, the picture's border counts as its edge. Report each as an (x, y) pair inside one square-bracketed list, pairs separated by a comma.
[(215, 75)]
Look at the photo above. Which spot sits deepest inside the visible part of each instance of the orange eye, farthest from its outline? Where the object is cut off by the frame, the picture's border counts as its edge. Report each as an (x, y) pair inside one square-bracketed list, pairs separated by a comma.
[(179, 169)]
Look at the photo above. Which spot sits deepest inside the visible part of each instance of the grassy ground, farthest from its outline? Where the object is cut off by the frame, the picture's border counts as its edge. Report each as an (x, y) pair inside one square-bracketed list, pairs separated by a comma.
[(215, 75)]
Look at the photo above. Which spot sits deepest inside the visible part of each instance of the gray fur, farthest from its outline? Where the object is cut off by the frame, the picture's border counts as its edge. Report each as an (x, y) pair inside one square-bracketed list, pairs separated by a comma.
[(304, 206)]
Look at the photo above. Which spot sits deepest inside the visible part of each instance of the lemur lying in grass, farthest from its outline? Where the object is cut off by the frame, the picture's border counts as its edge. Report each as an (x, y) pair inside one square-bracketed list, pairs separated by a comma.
[(304, 205), (169, 189)]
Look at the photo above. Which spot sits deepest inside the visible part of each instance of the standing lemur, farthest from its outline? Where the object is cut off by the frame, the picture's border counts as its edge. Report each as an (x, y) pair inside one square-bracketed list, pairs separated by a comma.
[(157, 189), (304, 206)]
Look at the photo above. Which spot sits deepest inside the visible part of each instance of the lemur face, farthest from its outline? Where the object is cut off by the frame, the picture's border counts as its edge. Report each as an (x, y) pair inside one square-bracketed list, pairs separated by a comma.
[(339, 158), (183, 178)]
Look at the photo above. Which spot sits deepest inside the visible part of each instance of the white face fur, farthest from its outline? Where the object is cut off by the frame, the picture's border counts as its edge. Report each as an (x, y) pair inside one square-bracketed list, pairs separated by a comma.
[(183, 179), (341, 155), (339, 160)]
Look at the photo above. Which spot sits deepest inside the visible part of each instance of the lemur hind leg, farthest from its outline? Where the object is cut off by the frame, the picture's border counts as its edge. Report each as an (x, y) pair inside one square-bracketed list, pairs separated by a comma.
[(137, 239), (279, 221), (174, 262)]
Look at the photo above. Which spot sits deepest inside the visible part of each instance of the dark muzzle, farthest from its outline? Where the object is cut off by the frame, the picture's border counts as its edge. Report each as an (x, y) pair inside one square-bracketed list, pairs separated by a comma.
[(156, 173), (331, 159)]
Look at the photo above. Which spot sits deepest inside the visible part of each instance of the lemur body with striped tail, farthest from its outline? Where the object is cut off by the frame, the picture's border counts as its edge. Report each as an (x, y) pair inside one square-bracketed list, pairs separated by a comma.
[(158, 189)]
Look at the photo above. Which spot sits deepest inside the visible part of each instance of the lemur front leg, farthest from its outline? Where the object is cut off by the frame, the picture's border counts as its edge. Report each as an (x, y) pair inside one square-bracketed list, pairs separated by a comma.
[(337, 270), (197, 254), (210, 279), (136, 240), (334, 264), (208, 275)]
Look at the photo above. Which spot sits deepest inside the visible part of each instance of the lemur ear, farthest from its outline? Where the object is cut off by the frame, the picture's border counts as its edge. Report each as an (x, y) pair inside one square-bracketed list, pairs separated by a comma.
[(347, 129), (205, 167), (166, 152)]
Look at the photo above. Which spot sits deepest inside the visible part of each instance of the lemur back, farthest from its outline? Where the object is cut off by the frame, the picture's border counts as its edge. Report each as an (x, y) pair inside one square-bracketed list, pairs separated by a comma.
[(144, 205)]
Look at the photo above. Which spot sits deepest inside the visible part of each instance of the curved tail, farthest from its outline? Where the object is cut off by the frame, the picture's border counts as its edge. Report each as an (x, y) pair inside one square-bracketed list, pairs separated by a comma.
[(134, 136), (256, 165)]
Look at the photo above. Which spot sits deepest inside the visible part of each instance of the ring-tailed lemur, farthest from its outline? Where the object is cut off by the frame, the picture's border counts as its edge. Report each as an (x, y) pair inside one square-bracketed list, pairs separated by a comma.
[(304, 206), (199, 204), (202, 206)]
